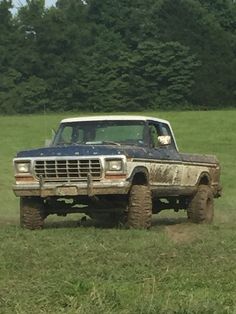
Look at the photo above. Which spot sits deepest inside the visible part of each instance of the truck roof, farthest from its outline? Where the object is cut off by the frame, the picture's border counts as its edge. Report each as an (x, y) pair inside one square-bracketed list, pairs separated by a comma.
[(119, 118), (113, 117)]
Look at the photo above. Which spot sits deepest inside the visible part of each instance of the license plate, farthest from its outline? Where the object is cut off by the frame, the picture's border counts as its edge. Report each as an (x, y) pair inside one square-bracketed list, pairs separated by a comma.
[(67, 190)]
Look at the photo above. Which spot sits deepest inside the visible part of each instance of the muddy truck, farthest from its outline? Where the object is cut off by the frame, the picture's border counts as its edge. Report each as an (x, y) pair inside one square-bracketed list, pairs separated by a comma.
[(118, 168)]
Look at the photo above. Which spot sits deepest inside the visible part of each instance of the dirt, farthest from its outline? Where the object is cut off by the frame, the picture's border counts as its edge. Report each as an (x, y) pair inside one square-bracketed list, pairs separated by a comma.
[(181, 233), (8, 221)]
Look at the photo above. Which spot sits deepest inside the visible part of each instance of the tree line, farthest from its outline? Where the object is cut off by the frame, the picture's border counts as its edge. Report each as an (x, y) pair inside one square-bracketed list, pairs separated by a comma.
[(117, 55)]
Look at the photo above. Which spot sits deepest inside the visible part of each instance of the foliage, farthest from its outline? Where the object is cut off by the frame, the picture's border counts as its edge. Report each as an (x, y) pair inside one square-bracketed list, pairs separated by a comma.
[(102, 55), (200, 29)]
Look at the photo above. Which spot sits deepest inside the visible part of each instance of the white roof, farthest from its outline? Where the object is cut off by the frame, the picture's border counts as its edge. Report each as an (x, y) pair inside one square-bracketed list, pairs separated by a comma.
[(112, 117)]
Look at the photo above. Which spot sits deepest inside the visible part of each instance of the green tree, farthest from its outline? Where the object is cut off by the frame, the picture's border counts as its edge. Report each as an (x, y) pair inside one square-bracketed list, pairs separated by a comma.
[(159, 75), (22, 96), (106, 55), (224, 12), (196, 27)]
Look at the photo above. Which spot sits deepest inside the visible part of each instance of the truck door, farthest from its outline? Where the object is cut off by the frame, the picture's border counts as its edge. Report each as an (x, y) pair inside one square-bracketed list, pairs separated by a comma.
[(165, 161)]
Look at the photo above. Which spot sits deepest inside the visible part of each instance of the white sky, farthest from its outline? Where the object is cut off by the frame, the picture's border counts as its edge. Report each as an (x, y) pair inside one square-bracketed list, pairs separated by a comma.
[(19, 3)]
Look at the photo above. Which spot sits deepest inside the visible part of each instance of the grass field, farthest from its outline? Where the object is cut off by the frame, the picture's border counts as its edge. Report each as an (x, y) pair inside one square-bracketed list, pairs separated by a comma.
[(175, 267)]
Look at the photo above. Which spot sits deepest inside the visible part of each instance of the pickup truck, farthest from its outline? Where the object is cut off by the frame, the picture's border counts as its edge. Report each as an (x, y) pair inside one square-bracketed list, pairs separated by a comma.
[(123, 168)]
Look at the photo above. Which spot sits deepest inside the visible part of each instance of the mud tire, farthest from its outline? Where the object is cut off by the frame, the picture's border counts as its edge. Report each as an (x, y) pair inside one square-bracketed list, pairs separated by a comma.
[(140, 207), (201, 207), (32, 213)]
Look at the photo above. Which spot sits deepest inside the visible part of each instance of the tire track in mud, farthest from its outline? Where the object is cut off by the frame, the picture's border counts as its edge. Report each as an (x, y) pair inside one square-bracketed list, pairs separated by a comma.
[(181, 233), (8, 221)]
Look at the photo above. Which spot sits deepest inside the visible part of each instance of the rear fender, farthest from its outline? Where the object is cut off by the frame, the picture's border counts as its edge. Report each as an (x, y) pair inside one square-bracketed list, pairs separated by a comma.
[(204, 179)]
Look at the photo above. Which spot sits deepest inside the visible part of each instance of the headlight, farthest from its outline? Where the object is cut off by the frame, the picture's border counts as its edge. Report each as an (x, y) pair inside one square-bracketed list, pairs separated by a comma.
[(22, 167), (114, 165)]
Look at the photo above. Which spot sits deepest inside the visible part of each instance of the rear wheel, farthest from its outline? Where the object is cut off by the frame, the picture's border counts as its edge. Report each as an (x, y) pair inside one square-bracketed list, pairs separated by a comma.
[(201, 207), (140, 207), (32, 213)]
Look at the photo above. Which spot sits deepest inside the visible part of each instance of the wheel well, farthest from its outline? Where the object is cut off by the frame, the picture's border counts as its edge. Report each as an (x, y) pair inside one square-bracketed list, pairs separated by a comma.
[(204, 180), (140, 178)]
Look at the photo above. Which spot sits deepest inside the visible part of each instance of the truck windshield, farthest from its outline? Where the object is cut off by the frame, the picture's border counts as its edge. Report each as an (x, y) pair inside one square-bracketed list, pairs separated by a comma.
[(101, 132)]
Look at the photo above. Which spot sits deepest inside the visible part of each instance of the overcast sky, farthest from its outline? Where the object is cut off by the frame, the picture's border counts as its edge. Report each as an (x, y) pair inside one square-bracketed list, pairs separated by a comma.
[(18, 3)]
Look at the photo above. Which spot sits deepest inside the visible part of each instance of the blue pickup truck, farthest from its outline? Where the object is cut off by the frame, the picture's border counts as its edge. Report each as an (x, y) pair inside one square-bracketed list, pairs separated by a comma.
[(123, 168)]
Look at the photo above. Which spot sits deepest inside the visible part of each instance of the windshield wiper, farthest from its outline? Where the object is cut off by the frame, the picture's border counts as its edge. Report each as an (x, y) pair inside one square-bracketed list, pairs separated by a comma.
[(110, 143), (102, 143)]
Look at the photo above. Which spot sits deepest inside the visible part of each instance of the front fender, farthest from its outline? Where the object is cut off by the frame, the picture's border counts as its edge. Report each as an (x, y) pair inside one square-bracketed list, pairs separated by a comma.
[(139, 175)]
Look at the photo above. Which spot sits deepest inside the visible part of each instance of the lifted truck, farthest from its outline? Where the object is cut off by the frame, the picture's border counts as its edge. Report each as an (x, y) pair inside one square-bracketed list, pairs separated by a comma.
[(114, 167)]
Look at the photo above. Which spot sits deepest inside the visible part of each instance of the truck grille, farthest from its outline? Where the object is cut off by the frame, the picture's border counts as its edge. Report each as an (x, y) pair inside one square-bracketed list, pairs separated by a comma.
[(68, 170)]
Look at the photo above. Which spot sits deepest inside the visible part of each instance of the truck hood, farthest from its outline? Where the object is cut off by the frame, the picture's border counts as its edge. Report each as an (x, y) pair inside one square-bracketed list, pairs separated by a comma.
[(84, 150)]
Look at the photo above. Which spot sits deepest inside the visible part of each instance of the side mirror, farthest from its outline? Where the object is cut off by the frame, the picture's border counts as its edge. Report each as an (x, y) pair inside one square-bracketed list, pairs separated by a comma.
[(164, 140)]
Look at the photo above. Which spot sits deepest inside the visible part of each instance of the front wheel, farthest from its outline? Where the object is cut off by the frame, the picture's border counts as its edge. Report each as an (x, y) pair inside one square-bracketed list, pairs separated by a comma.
[(201, 207), (32, 213), (140, 207)]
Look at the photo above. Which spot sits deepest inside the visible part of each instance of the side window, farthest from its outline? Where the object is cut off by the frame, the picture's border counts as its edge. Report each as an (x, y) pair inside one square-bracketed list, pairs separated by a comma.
[(158, 129), (164, 129), (154, 132)]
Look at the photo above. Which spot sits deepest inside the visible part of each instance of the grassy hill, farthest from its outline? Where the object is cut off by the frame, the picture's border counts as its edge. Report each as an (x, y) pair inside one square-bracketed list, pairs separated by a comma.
[(175, 267)]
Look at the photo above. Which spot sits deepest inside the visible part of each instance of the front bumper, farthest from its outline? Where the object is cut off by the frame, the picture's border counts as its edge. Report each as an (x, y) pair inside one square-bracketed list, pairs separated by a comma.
[(89, 188)]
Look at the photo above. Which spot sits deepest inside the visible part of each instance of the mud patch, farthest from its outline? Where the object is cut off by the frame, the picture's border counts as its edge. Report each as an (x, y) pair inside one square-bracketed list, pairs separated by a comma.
[(8, 221), (181, 233)]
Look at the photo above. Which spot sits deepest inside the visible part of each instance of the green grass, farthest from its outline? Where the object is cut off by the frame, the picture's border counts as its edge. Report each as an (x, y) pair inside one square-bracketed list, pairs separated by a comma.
[(175, 267)]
